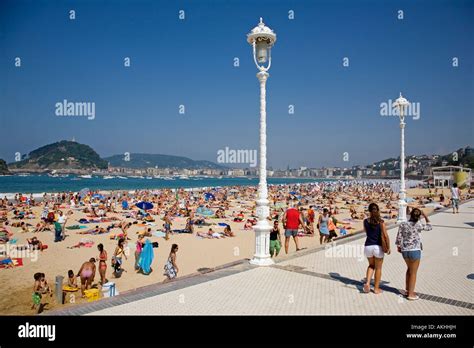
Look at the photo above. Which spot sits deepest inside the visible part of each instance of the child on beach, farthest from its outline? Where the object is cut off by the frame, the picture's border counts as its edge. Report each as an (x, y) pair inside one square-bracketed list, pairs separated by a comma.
[(71, 279), (171, 268), (40, 288), (138, 250), (167, 225), (275, 240)]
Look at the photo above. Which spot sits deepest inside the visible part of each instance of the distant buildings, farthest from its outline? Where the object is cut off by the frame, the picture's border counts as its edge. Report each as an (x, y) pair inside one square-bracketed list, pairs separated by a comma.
[(417, 167), (447, 175)]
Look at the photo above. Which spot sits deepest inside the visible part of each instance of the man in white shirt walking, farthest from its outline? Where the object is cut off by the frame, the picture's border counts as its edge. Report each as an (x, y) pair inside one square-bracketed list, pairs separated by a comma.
[(62, 221), (455, 198)]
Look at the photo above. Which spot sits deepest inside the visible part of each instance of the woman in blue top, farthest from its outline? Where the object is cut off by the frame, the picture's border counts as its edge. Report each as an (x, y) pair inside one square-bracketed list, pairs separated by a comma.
[(374, 228)]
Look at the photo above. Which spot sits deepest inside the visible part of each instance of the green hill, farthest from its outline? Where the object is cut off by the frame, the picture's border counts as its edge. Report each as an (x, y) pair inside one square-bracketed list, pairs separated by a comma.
[(465, 158), (61, 155), (142, 160), (3, 168)]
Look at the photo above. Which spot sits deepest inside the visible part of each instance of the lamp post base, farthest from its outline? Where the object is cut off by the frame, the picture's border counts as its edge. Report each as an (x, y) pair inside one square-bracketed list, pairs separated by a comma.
[(262, 244), (257, 261), (402, 211)]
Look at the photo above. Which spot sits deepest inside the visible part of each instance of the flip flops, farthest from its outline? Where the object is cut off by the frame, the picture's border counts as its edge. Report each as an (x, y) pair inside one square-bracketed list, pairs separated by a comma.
[(413, 298)]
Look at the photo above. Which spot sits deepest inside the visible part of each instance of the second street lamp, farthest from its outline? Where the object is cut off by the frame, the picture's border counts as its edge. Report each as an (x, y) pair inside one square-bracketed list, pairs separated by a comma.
[(401, 103), (262, 39)]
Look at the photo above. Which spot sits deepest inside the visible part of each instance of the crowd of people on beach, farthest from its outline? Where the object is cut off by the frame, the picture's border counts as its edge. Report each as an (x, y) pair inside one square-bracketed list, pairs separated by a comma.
[(302, 210)]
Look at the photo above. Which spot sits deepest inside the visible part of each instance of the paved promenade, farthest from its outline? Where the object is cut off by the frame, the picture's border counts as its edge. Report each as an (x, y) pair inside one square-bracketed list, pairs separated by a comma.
[(322, 282)]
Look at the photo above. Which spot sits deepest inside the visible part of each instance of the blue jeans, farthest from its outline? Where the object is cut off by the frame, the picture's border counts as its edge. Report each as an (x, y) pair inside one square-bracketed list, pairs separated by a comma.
[(412, 254), (58, 235)]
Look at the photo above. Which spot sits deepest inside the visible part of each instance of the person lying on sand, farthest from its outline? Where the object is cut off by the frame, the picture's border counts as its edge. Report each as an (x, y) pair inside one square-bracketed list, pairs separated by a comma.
[(95, 230), (203, 235), (23, 225), (34, 244), (7, 262), (216, 235), (248, 225), (41, 227), (145, 233)]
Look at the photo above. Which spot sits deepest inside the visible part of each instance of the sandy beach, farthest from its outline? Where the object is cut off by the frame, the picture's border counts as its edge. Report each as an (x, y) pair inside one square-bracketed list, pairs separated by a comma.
[(195, 253)]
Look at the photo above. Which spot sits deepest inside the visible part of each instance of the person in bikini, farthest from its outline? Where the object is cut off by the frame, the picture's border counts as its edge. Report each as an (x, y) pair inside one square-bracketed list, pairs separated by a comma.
[(102, 263), (87, 274)]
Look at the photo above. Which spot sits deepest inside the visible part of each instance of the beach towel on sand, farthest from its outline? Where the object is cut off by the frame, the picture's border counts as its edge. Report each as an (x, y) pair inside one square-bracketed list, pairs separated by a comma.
[(159, 234), (181, 231), (75, 227), (16, 262), (146, 257)]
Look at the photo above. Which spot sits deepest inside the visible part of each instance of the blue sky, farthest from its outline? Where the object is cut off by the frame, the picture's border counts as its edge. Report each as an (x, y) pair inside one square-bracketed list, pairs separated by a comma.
[(190, 62)]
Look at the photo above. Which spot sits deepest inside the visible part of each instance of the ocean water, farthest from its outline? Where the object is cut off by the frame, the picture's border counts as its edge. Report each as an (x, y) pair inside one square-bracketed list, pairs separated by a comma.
[(45, 183)]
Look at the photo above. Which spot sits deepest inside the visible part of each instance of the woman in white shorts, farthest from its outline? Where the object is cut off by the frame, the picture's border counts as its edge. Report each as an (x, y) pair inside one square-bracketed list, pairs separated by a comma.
[(374, 228)]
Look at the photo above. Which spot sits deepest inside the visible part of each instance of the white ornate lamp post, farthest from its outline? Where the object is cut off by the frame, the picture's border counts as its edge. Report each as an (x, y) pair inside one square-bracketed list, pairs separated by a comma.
[(401, 103), (262, 39)]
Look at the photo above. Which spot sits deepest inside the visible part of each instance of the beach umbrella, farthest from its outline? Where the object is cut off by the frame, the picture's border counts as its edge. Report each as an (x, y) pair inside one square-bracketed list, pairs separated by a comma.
[(204, 211), (144, 205), (84, 192), (209, 196), (99, 196)]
